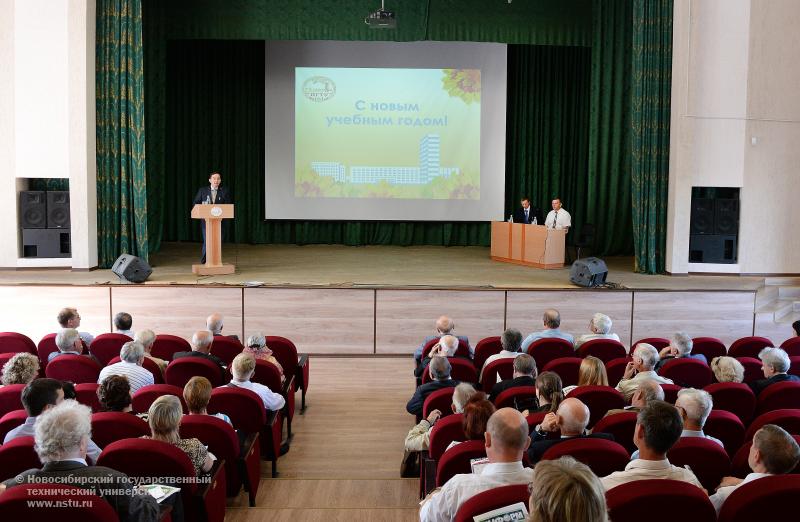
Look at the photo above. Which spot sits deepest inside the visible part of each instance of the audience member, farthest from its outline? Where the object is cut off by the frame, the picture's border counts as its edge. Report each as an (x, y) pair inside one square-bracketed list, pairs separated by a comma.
[(439, 370), (114, 394), (37, 397), (201, 347), (70, 318), (774, 363), (511, 340), (600, 326), (130, 366), (444, 326), (68, 342), (477, 412), (419, 436), (658, 428), (570, 420), (164, 417), (122, 324), (648, 390), (680, 346), (446, 347), (645, 358), (552, 322), (62, 437), (506, 440), (774, 452), (257, 346), (592, 372), (197, 394), (549, 392), (566, 490), (243, 368), (525, 373), (20, 369), (727, 369), (796, 328), (214, 324), (147, 338)]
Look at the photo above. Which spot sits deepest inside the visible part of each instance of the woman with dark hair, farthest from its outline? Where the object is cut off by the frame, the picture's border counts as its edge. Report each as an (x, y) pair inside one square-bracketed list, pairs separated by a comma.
[(549, 392), (114, 394), (796, 328)]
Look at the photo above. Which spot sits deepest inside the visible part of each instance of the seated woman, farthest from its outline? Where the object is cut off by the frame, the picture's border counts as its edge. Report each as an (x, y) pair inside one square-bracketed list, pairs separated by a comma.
[(23, 368), (114, 394), (592, 372), (549, 393), (164, 417), (197, 393), (476, 415), (257, 346), (727, 369), (419, 436)]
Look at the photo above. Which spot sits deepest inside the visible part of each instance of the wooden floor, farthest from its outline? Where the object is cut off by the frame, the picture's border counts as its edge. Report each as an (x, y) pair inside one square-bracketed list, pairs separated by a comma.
[(344, 462)]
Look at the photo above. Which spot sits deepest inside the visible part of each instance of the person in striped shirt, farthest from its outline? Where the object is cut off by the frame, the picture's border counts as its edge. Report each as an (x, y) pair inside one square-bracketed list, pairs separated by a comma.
[(132, 355)]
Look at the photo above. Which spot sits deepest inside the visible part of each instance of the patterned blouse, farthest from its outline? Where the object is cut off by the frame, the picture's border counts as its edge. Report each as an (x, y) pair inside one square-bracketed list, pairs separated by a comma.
[(195, 450)]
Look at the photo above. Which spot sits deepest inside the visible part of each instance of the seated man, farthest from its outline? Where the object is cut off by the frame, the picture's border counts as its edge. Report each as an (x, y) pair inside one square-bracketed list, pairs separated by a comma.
[(69, 342), (70, 318), (439, 369), (420, 435), (600, 326), (571, 419), (565, 489), (62, 436), (525, 373), (201, 347), (658, 428), (243, 369), (147, 338), (774, 452), (444, 326), (123, 323), (679, 346), (511, 341), (447, 347), (40, 396), (552, 322), (645, 358), (130, 366), (648, 390), (775, 364), (506, 440), (214, 323)]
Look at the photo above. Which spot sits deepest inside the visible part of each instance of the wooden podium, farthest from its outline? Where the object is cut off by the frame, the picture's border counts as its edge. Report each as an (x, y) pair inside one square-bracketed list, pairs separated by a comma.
[(213, 214), (530, 245)]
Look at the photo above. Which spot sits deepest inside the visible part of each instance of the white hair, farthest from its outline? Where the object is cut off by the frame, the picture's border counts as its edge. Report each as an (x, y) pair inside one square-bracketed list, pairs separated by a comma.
[(214, 323), (683, 343), (602, 323), (573, 419), (449, 343), (146, 337), (775, 357), (696, 403), (257, 339), (59, 431), (648, 354), (65, 339), (461, 395), (132, 352), (202, 339)]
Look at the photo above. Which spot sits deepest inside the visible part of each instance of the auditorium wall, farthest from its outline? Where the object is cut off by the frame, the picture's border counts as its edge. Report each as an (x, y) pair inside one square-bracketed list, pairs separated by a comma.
[(736, 123)]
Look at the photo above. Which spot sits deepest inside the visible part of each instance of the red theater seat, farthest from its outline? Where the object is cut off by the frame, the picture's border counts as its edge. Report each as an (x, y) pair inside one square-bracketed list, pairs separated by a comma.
[(659, 343), (146, 395), (13, 342), (788, 419), (689, 373), (792, 346), (710, 347), (621, 426), (11, 420), (708, 460), (181, 370), (752, 369), (545, 350), (86, 393), (458, 460), (602, 456), (111, 426), (661, 500), (165, 346), (566, 367), (734, 397), (492, 499), (226, 348), (460, 369), (671, 392), (748, 346), (519, 397), (441, 400), (615, 369), (16, 456), (726, 427), (504, 368), (74, 368), (16, 504), (599, 399), (10, 398), (107, 346), (485, 349), (286, 353), (768, 498), (603, 349), (779, 396)]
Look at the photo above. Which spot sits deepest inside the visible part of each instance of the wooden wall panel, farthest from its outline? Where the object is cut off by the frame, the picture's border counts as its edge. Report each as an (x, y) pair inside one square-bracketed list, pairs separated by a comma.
[(726, 315), (525, 310), (178, 310), (405, 317), (324, 321), (32, 310)]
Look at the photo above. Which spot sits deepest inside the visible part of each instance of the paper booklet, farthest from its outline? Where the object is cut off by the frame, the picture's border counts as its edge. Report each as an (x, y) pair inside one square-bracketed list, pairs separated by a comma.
[(510, 513), (159, 491)]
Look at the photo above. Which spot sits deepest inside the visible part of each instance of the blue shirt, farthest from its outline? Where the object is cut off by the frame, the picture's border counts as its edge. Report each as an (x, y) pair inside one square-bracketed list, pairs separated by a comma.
[(549, 333)]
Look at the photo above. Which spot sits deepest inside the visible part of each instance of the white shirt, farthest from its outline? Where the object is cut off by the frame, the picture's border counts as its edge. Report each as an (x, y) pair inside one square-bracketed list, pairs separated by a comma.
[(272, 401), (628, 386), (558, 220), (722, 494), (649, 469), (129, 333), (137, 376), (505, 354), (589, 337), (695, 433), (441, 505)]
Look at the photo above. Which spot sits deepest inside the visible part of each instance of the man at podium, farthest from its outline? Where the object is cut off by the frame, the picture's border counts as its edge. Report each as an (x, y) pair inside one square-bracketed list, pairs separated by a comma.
[(212, 194), (527, 214)]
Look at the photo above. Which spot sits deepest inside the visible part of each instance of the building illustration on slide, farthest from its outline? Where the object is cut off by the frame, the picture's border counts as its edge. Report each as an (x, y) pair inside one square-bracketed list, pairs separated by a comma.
[(429, 168)]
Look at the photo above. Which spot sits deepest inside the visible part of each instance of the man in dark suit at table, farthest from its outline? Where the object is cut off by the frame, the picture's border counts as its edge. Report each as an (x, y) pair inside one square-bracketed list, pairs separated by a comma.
[(570, 419), (212, 194), (527, 214)]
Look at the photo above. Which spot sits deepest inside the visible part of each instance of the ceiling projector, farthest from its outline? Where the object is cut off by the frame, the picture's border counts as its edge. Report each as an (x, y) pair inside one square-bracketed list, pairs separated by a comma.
[(381, 19)]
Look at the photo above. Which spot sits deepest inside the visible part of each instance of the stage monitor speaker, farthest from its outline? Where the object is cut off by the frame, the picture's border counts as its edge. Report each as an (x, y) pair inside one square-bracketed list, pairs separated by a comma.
[(726, 216), (132, 268), (45, 242), (57, 209), (715, 248), (33, 209), (701, 221), (588, 271)]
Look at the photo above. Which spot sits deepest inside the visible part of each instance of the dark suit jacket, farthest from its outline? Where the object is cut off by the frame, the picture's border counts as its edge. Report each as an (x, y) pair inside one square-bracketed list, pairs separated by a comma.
[(423, 367), (533, 212), (209, 357), (502, 386), (114, 487), (223, 195), (414, 406), (759, 385), (664, 360), (540, 444)]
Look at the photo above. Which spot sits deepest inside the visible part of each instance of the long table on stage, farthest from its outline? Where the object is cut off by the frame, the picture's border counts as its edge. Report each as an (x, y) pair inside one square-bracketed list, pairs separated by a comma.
[(530, 245)]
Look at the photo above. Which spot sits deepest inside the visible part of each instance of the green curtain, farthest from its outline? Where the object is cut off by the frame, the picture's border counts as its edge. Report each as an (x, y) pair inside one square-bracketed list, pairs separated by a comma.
[(121, 185), (651, 80), (48, 184)]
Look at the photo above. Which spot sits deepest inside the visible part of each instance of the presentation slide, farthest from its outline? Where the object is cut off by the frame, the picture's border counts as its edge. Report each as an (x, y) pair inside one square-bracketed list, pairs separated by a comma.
[(385, 131)]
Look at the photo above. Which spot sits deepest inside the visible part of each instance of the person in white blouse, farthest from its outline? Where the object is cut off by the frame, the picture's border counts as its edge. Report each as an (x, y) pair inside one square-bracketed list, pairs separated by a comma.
[(558, 218), (243, 369), (506, 440)]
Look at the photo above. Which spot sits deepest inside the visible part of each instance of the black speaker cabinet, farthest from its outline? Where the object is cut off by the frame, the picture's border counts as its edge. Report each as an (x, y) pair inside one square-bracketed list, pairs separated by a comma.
[(714, 248), (726, 216), (46, 242), (32, 209), (132, 268), (588, 271), (702, 217), (57, 209)]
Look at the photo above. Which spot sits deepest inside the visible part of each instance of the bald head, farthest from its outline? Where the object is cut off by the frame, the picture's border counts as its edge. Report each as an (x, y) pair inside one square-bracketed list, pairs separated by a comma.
[(214, 323), (201, 341), (507, 435), (573, 417), (648, 390), (551, 318), (444, 325)]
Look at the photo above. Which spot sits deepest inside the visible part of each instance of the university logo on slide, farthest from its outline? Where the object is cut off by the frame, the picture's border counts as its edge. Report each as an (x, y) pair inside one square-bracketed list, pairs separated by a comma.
[(319, 88)]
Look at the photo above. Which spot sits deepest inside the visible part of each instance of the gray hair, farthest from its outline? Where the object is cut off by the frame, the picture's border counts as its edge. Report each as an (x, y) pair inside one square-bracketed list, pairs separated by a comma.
[(202, 339), (648, 354), (727, 369), (164, 418), (683, 343), (257, 339), (775, 357), (696, 403), (650, 390), (551, 318), (22, 368), (524, 364), (132, 352), (574, 415), (449, 343), (439, 368), (146, 337), (511, 340), (60, 430), (65, 339), (461, 395), (602, 323), (214, 323)]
